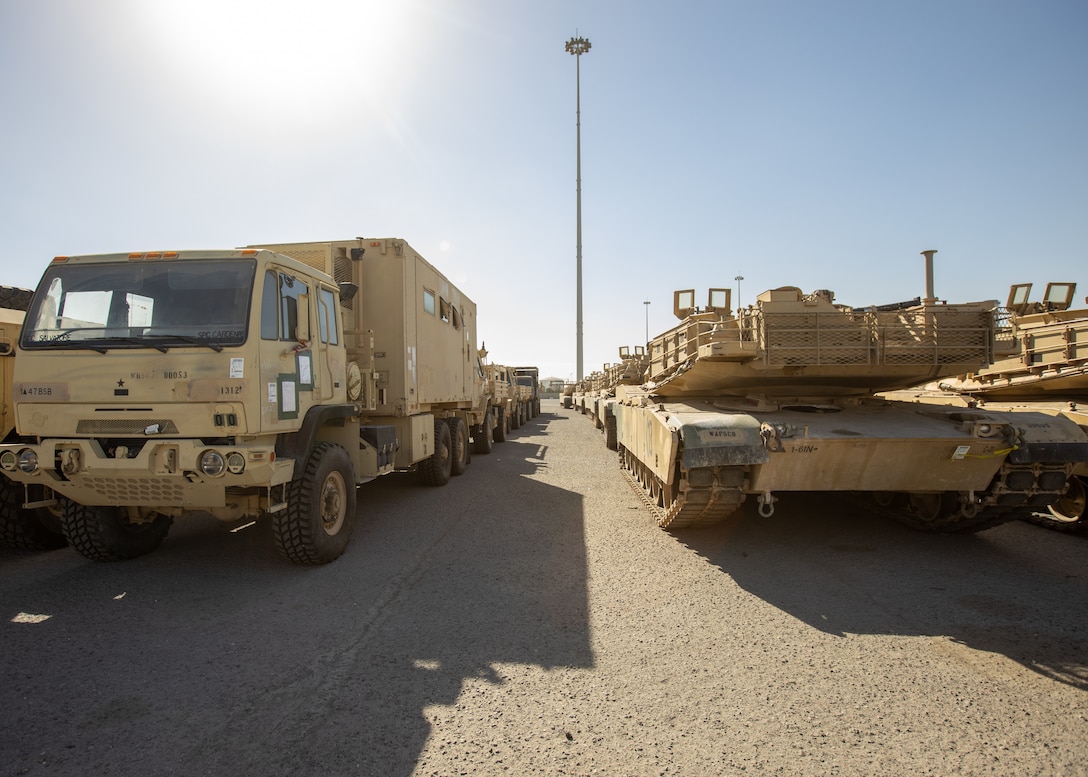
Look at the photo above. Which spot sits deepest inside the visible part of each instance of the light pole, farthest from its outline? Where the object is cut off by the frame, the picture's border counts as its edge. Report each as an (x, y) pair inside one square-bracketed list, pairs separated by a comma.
[(738, 279), (578, 47), (647, 304)]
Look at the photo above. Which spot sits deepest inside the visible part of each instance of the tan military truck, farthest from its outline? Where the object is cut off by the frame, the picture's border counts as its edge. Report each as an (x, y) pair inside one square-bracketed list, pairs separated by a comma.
[(529, 378), (242, 383), (33, 529), (509, 399)]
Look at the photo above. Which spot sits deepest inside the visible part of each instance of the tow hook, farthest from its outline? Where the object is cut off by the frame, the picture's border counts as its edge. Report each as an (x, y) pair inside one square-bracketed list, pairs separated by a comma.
[(968, 505), (766, 504)]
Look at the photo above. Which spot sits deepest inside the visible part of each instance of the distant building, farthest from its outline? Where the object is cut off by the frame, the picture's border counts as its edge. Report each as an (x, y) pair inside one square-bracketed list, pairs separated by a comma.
[(551, 387)]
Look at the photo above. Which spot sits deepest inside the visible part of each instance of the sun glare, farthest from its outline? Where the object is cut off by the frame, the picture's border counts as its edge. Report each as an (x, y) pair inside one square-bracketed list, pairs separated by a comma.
[(315, 58)]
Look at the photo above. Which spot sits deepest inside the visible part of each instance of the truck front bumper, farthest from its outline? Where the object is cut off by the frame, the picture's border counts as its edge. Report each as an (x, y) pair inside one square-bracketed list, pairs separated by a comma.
[(184, 474)]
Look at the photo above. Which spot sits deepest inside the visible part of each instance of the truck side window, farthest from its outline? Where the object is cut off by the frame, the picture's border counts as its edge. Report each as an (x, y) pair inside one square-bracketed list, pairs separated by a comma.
[(291, 288), (270, 303), (279, 306), (326, 317), (428, 302)]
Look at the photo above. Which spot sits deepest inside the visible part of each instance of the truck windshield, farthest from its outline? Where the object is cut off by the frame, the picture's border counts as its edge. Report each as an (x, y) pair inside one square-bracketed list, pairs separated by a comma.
[(143, 304)]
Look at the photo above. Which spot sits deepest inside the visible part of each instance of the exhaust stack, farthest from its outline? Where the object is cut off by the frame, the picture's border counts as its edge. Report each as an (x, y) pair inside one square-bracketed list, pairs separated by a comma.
[(930, 296)]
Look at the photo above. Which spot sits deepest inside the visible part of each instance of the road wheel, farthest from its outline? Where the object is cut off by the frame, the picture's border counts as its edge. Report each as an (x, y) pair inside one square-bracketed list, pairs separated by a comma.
[(436, 469), (316, 525), (481, 438), (459, 441), (106, 534), (500, 425), (26, 529)]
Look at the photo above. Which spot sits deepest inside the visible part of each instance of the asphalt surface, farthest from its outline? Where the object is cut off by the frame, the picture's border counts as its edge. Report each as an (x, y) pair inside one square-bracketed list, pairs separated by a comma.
[(529, 618)]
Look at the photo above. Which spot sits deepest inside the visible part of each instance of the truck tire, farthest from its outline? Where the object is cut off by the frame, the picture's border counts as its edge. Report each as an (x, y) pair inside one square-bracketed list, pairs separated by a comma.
[(500, 425), (436, 469), (481, 438), (105, 534), (461, 455), (25, 529), (515, 418), (316, 525)]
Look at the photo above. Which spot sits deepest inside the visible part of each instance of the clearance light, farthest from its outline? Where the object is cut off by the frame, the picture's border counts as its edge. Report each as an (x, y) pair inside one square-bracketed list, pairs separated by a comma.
[(59, 259), (154, 255)]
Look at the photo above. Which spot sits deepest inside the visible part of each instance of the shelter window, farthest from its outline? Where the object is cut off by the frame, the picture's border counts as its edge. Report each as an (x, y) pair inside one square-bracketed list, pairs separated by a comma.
[(428, 302)]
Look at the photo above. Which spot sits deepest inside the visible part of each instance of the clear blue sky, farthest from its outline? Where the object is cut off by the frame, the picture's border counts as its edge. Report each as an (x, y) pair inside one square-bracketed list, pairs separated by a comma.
[(816, 143)]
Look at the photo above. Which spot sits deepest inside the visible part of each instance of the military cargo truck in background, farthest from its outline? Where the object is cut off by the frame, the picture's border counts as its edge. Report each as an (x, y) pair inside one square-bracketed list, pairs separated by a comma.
[(22, 528), (529, 377), (269, 380)]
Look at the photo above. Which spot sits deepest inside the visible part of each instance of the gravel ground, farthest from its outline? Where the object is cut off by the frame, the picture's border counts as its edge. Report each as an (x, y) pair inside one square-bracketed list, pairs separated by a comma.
[(529, 618)]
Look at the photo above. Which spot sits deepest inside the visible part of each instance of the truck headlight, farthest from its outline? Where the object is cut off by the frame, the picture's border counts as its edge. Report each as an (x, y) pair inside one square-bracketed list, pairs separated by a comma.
[(28, 461), (212, 464)]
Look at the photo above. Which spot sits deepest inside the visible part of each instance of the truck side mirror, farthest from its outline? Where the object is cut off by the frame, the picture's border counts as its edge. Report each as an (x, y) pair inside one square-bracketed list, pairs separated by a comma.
[(348, 290)]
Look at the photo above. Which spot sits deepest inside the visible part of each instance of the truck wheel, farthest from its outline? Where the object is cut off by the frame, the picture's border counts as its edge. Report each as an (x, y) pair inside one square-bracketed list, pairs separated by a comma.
[(25, 529), (610, 440), (435, 470), (515, 418), (481, 438), (316, 525), (106, 534), (459, 446), (500, 425)]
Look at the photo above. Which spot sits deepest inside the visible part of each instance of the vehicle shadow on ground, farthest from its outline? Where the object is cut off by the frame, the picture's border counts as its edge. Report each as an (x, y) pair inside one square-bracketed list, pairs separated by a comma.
[(213, 656), (1017, 590)]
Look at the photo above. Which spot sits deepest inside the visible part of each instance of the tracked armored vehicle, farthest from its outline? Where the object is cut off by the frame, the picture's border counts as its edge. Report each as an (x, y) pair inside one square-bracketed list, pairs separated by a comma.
[(781, 397), (1041, 366)]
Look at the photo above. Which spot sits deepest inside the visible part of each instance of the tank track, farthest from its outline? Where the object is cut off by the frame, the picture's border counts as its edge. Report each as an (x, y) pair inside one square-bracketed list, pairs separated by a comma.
[(687, 505), (1015, 489), (1067, 513)]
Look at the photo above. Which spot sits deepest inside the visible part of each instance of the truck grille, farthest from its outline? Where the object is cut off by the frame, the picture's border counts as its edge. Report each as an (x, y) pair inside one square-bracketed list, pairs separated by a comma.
[(142, 491), (110, 427)]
